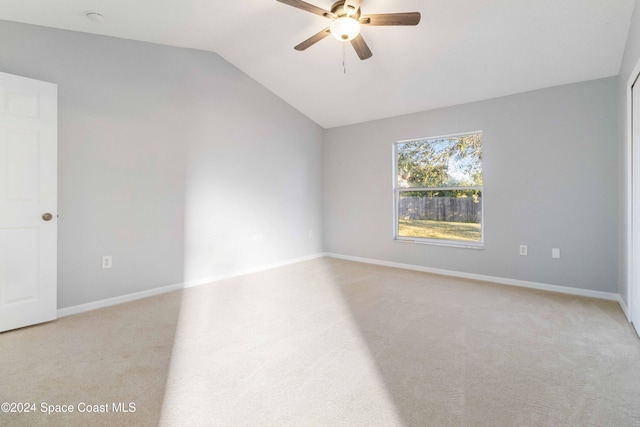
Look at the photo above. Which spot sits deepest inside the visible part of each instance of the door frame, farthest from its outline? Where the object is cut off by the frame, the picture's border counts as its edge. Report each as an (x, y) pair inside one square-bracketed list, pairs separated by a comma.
[(633, 269)]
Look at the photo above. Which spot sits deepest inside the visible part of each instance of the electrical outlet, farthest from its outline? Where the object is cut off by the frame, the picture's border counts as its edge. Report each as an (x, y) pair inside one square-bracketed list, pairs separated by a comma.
[(523, 250), (555, 253), (107, 261)]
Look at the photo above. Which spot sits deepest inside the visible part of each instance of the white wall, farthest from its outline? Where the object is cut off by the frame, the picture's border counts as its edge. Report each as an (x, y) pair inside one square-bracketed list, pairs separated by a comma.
[(170, 160), (629, 61), (550, 180)]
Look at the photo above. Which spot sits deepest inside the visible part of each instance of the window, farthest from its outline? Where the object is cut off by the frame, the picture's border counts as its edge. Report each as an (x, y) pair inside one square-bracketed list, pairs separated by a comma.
[(438, 190)]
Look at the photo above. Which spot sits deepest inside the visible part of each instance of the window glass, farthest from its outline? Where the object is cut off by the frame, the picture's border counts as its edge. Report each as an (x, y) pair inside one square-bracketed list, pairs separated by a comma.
[(438, 191)]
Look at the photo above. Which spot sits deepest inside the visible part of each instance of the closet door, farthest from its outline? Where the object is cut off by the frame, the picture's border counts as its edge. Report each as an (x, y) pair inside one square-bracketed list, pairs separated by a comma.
[(634, 294)]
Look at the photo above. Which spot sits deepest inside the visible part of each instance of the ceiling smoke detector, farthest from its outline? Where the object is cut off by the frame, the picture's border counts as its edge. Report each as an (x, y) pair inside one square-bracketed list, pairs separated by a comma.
[(94, 16)]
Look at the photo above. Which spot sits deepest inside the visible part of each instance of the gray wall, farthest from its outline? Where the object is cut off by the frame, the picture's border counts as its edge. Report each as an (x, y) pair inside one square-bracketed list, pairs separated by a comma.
[(183, 168), (550, 180), (629, 61), (171, 160)]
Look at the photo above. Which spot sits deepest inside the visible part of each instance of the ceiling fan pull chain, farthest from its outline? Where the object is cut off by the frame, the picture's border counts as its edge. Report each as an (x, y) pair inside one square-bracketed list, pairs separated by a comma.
[(344, 57)]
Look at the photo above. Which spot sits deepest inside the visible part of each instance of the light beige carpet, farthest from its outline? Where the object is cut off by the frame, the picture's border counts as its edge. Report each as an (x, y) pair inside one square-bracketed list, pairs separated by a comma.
[(333, 343)]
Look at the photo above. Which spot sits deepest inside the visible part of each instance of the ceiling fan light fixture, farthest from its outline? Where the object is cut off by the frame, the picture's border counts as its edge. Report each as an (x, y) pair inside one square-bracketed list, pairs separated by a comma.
[(345, 28)]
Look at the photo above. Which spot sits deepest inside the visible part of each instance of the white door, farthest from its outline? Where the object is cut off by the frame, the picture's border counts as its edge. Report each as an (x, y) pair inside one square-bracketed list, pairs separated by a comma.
[(28, 192), (635, 135)]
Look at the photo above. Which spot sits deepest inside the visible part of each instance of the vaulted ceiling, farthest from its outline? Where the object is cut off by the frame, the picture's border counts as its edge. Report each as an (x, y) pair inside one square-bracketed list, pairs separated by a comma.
[(462, 50)]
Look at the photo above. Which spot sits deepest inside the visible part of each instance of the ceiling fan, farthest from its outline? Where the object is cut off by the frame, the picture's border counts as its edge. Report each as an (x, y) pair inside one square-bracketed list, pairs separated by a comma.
[(347, 19)]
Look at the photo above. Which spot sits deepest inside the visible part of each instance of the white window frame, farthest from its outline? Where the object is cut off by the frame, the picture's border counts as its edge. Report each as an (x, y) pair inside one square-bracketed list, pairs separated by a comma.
[(396, 199)]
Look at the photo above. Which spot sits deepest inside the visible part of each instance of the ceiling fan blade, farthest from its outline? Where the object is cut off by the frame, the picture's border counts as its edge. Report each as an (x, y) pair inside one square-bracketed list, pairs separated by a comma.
[(351, 6), (308, 7), (313, 39), (408, 18), (361, 47)]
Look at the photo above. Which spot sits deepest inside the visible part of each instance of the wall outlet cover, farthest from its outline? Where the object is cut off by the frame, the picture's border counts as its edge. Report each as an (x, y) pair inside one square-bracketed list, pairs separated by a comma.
[(107, 261)]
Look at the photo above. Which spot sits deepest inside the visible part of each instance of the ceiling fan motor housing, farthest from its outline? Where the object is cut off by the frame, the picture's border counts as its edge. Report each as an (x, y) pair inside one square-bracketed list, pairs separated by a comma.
[(338, 10)]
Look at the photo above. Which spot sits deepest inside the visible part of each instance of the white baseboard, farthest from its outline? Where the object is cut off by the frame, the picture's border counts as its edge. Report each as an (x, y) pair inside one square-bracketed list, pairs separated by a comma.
[(500, 280), (68, 311), (623, 306), (76, 309), (211, 279)]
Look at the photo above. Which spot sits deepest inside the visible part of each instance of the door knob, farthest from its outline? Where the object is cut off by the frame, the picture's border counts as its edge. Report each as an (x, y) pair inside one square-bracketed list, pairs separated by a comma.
[(47, 216)]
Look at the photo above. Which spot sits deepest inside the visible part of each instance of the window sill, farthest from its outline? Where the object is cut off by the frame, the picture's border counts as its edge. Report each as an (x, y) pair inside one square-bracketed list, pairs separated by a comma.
[(448, 243)]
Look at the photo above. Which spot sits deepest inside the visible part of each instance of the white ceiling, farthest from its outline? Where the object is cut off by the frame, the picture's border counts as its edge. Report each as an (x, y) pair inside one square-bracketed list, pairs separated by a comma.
[(462, 50)]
